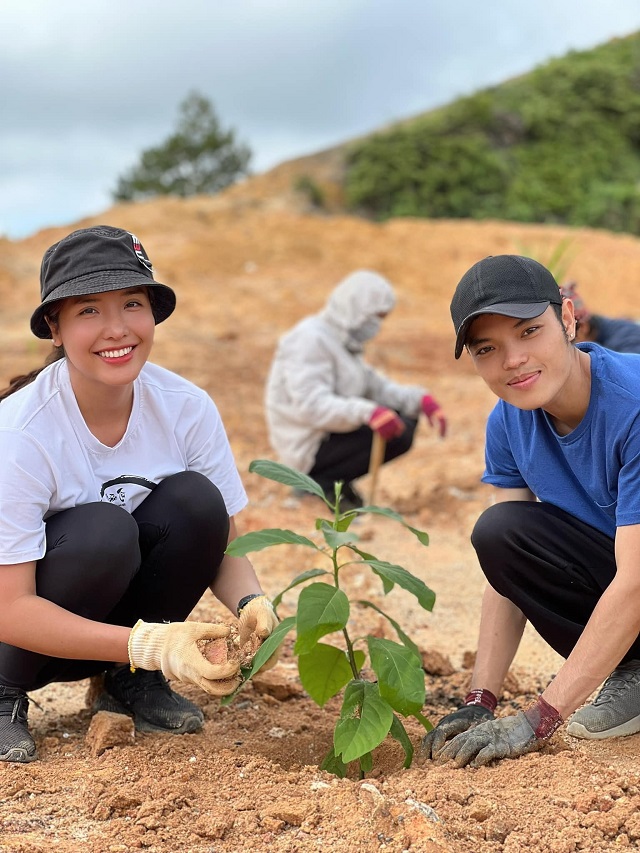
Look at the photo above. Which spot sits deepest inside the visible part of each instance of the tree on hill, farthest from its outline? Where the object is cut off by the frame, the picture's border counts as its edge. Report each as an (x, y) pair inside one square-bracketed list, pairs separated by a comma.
[(199, 157)]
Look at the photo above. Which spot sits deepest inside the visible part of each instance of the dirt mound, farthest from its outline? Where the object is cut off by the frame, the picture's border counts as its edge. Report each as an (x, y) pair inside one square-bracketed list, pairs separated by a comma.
[(245, 268)]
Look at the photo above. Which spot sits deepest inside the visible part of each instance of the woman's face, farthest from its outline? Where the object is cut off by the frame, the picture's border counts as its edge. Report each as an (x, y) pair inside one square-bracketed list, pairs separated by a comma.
[(107, 337)]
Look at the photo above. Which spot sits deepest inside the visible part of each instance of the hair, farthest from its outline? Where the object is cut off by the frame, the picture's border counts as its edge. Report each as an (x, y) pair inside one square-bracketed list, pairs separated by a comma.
[(56, 354)]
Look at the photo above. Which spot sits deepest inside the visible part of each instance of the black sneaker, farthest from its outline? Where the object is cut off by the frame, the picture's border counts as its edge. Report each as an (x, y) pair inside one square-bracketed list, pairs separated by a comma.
[(16, 744), (350, 498), (146, 695)]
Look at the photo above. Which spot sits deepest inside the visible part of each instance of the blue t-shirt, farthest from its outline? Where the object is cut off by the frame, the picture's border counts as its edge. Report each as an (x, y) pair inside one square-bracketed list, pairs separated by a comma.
[(594, 471)]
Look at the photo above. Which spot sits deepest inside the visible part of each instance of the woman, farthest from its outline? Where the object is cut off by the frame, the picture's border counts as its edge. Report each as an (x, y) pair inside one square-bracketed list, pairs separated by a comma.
[(323, 401), (118, 491)]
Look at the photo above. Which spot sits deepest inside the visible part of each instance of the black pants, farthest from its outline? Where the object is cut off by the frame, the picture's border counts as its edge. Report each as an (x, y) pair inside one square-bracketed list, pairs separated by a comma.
[(345, 455), (548, 563), (111, 566)]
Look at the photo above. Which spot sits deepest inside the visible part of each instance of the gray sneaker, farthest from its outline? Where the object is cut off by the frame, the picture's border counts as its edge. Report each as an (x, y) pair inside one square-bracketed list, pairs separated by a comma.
[(615, 712)]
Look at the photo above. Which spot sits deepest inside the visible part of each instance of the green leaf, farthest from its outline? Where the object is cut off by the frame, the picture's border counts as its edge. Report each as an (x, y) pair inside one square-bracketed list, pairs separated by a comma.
[(366, 762), (260, 539), (336, 538), (332, 764), (325, 670), (322, 609), (422, 537), (406, 640), (400, 675), (364, 722), (283, 474), (270, 645), (387, 584), (396, 574), (399, 733), (305, 576)]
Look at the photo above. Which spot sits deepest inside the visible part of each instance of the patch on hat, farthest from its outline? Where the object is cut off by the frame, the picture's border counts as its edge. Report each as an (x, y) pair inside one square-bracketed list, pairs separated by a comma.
[(140, 255)]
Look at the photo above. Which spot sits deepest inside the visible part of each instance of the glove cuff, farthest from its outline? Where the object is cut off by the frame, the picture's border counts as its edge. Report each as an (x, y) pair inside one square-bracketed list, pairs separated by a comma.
[(543, 719), (481, 697), (146, 641)]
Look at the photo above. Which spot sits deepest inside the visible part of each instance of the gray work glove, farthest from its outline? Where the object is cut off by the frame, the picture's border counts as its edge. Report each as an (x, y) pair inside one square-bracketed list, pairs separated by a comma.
[(453, 724), (508, 737)]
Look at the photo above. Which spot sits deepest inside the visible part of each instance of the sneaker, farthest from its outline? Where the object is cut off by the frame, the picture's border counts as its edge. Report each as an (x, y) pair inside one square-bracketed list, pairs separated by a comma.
[(146, 695), (350, 498), (16, 744), (615, 712)]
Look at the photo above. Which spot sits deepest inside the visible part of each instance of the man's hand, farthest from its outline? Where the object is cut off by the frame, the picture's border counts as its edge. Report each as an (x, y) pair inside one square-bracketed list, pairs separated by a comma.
[(508, 737), (451, 725), (258, 617), (386, 423), (172, 648), (434, 414)]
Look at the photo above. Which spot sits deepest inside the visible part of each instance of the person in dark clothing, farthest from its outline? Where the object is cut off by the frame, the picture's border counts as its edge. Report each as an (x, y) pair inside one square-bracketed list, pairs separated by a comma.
[(616, 333)]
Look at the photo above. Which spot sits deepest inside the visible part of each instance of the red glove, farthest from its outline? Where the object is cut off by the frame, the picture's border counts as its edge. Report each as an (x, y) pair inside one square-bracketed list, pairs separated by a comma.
[(386, 422), (434, 414)]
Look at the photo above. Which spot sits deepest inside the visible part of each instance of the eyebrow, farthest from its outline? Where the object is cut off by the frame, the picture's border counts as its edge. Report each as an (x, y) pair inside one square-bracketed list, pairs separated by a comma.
[(473, 342)]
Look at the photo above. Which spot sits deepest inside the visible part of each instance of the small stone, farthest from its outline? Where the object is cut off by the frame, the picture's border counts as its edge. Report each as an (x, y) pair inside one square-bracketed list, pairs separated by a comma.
[(107, 730)]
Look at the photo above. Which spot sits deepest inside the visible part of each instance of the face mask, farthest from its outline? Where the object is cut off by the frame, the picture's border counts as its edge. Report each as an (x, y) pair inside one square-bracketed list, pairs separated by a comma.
[(367, 330)]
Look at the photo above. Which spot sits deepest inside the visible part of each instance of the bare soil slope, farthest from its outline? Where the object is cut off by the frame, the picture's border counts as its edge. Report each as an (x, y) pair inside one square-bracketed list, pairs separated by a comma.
[(245, 269)]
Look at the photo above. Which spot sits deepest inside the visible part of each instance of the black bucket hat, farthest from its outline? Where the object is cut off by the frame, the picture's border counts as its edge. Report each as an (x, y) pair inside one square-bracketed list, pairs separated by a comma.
[(511, 285), (96, 260)]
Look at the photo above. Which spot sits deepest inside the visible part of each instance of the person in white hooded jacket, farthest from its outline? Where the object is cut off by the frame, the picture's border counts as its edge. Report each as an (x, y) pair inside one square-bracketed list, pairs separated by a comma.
[(323, 401)]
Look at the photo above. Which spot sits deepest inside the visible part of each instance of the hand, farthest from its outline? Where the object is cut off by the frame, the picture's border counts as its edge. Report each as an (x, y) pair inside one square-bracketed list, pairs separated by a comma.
[(172, 648), (455, 723), (258, 617), (508, 737), (386, 422), (434, 414)]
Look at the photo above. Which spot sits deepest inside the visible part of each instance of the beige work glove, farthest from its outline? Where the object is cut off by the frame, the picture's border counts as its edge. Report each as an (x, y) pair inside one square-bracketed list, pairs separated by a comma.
[(259, 618), (172, 648)]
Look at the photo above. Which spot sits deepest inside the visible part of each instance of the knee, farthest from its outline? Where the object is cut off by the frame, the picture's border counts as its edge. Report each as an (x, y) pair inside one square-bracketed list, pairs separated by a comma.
[(196, 496), (493, 535)]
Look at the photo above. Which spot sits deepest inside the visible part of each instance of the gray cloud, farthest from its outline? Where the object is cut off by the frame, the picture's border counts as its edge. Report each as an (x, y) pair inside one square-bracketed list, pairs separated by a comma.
[(87, 86)]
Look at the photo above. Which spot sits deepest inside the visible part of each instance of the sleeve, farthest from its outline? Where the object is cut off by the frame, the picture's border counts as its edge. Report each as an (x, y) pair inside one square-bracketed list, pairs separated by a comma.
[(405, 399), (501, 469), (209, 452), (628, 497), (308, 370), (27, 483)]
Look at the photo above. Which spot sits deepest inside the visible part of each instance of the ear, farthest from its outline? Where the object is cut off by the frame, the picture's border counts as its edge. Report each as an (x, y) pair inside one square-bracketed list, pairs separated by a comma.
[(53, 328), (569, 318)]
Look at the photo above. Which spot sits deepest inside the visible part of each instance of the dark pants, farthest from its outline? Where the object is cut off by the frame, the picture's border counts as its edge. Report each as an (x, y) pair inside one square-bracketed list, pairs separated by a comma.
[(111, 566), (345, 455), (548, 563)]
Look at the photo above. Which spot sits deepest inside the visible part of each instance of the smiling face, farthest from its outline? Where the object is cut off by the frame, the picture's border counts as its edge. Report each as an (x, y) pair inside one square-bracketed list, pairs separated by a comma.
[(107, 337), (527, 363)]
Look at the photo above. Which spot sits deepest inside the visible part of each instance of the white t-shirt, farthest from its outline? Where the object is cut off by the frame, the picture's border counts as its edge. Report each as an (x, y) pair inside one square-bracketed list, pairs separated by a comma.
[(50, 461)]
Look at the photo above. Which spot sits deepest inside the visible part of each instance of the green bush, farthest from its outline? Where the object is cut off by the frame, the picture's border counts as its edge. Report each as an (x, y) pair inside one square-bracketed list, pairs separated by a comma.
[(561, 144)]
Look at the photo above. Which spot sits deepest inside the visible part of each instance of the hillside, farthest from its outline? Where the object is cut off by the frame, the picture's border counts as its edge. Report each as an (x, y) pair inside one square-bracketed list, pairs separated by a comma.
[(246, 267)]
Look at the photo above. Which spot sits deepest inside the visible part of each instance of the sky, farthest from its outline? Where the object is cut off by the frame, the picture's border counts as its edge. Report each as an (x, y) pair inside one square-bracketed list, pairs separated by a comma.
[(87, 85)]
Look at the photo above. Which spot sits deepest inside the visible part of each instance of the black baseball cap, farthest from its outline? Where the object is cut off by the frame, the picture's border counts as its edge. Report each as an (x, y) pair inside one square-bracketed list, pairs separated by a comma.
[(96, 260), (511, 285)]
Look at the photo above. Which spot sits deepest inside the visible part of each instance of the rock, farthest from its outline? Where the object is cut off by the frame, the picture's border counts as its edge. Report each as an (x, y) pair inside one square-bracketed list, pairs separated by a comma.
[(107, 730)]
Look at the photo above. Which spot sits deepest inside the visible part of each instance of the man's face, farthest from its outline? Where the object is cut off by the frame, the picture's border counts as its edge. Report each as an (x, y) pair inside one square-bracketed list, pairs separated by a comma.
[(527, 363)]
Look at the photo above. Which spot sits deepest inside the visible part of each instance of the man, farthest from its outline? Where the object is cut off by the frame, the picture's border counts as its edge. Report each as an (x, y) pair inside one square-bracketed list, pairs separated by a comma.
[(612, 332), (560, 546)]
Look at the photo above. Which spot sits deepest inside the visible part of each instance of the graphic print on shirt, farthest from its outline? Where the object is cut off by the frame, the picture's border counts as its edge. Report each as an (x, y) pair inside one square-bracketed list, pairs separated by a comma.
[(121, 490)]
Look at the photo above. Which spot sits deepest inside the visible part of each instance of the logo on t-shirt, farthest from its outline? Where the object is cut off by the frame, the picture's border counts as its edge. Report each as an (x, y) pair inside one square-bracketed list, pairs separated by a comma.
[(121, 490)]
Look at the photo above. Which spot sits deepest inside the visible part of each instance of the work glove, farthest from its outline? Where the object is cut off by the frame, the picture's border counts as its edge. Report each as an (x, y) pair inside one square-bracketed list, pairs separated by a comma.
[(434, 414), (453, 724), (172, 647), (386, 423), (508, 737), (258, 617)]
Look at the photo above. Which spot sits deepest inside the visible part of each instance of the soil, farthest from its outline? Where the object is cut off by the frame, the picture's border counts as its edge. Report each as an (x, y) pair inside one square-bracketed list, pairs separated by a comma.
[(246, 267)]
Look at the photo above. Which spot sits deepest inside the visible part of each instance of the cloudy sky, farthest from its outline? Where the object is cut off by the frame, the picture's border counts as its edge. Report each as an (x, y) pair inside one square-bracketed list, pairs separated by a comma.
[(88, 84)]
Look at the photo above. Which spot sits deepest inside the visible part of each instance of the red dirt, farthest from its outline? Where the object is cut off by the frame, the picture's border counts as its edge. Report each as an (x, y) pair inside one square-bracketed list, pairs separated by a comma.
[(244, 271)]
